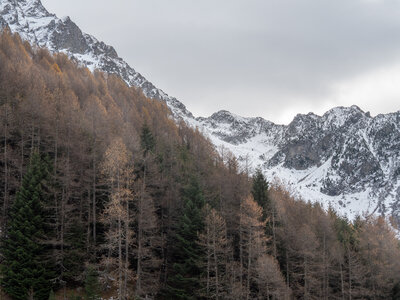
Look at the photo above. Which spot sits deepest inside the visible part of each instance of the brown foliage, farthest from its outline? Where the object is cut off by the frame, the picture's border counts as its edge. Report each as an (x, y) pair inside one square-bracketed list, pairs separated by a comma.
[(89, 125)]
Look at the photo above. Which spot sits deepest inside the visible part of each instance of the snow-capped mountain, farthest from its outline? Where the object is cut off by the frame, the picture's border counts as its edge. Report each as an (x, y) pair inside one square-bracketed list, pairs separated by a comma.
[(345, 158), (34, 23)]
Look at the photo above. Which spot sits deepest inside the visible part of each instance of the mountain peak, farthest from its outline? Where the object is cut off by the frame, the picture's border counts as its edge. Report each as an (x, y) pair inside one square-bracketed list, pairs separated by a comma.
[(343, 116), (345, 110), (221, 114)]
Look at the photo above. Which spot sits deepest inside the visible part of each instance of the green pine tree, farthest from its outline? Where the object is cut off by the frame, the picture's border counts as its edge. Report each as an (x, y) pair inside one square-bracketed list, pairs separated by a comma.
[(184, 283), (74, 258), (260, 193), (147, 141), (24, 269), (92, 287), (346, 233)]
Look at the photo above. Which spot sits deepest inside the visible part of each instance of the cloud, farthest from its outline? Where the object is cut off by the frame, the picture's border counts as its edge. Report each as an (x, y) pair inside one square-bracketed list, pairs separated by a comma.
[(278, 57), (370, 88)]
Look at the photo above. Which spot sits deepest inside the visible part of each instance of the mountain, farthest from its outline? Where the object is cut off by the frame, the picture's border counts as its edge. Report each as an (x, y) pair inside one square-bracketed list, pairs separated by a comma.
[(345, 158), (34, 23)]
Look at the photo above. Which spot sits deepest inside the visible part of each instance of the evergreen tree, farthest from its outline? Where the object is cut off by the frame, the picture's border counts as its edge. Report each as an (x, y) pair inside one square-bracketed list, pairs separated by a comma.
[(92, 289), (184, 280), (260, 192), (74, 260), (24, 270), (147, 140), (261, 196)]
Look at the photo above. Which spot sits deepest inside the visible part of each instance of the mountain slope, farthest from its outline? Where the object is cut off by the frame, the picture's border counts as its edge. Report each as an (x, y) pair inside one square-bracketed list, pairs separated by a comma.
[(344, 158), (34, 23)]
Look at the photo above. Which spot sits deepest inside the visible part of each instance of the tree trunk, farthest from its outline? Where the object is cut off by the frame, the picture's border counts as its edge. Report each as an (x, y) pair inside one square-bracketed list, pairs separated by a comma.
[(120, 291), (22, 157), (208, 261), (305, 279), (342, 280), (216, 266), (94, 194), (241, 247), (88, 223), (127, 241), (140, 234), (349, 265), (120, 285), (62, 232), (371, 272), (249, 266), (55, 177), (5, 200), (32, 134), (274, 234), (324, 283), (287, 269)]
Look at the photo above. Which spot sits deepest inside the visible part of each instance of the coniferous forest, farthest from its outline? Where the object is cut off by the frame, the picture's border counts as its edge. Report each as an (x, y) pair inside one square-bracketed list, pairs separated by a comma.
[(104, 194)]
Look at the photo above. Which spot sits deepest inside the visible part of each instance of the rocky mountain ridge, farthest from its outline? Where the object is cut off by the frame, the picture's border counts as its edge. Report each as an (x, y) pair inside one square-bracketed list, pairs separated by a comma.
[(345, 158)]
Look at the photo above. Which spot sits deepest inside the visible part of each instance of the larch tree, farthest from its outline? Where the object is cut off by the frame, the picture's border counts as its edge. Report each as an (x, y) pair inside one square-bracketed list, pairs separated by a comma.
[(118, 166), (94, 110), (252, 243), (377, 248), (217, 247), (271, 283)]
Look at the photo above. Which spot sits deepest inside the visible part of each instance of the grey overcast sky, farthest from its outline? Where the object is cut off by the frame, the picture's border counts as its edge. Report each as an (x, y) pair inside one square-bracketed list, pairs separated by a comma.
[(269, 58)]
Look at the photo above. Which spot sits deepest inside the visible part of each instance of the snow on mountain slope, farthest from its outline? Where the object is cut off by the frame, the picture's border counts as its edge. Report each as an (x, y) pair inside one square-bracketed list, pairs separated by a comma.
[(34, 23), (345, 158)]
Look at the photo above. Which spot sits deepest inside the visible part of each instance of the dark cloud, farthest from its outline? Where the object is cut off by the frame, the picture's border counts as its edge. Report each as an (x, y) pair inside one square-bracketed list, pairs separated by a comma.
[(271, 58)]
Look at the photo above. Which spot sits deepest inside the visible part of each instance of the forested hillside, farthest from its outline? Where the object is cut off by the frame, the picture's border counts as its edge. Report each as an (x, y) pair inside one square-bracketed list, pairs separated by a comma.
[(104, 195)]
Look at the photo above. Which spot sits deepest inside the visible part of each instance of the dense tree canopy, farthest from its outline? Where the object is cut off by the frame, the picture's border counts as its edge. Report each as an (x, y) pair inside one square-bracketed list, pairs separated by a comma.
[(132, 203)]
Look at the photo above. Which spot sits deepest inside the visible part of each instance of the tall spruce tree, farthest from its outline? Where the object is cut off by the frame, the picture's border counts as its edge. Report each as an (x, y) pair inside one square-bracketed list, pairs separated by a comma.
[(184, 280), (147, 141), (25, 271), (260, 195), (260, 192), (92, 285)]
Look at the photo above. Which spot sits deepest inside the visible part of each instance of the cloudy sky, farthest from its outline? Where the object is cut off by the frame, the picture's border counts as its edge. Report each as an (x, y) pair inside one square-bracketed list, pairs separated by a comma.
[(269, 58)]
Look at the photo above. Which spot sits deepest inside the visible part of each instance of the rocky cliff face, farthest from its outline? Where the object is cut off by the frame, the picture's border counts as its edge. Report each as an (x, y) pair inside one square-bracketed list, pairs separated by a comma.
[(345, 158)]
